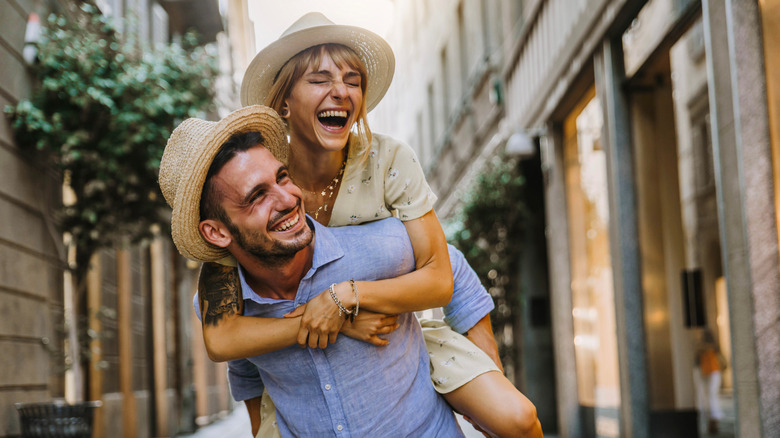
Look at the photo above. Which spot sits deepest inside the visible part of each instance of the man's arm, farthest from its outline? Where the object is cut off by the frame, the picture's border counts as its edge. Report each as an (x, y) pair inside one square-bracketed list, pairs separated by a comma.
[(253, 407), (224, 326)]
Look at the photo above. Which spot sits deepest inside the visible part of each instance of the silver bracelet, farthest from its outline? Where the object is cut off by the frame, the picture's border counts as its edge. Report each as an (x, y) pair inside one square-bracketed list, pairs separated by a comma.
[(342, 309)]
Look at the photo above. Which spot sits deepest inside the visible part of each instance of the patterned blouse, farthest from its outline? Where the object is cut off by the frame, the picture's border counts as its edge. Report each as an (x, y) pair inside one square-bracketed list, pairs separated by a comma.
[(389, 182)]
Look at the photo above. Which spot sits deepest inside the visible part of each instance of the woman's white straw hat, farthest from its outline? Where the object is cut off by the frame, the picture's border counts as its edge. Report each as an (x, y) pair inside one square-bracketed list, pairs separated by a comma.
[(186, 161), (311, 30)]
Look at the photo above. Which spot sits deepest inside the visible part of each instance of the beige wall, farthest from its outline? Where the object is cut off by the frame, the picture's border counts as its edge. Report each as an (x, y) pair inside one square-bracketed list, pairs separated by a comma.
[(32, 262), (30, 251)]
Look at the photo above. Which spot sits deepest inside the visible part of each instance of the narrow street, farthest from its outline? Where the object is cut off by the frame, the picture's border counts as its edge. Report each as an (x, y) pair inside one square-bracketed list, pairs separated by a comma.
[(237, 425)]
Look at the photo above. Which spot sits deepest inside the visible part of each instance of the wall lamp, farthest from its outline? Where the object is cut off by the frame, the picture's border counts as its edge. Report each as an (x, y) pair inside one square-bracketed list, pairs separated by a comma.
[(31, 36), (522, 143)]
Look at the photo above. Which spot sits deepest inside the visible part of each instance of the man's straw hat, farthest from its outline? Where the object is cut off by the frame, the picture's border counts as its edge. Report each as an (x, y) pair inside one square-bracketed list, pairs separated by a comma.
[(186, 161), (311, 30)]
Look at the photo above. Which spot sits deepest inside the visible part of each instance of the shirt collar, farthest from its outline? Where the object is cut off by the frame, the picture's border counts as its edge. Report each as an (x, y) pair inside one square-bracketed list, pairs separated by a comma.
[(326, 250)]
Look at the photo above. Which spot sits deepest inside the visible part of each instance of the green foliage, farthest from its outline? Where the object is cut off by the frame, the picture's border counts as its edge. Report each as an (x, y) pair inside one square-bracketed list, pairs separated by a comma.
[(102, 111), (488, 232)]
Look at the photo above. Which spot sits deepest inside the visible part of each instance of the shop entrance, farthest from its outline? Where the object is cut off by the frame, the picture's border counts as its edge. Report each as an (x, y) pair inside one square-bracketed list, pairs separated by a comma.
[(685, 303)]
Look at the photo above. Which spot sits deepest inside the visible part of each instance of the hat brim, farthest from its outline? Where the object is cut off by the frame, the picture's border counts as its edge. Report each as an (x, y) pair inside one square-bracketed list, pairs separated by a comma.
[(372, 49), (186, 211)]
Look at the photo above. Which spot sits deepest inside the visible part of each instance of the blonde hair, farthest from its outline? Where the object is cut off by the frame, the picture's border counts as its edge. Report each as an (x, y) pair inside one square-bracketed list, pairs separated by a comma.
[(296, 66)]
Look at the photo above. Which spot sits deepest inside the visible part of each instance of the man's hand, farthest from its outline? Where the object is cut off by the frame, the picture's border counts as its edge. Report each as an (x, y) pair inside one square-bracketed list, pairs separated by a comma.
[(320, 323), (369, 325)]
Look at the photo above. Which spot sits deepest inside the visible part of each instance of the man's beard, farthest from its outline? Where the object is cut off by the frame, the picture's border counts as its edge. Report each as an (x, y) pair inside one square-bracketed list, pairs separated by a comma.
[(277, 253)]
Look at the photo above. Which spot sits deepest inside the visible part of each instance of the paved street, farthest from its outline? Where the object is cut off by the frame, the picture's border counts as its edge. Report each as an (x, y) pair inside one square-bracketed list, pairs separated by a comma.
[(237, 425)]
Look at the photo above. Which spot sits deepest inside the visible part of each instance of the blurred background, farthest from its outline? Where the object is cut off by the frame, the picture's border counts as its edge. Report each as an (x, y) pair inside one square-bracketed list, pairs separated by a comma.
[(609, 167)]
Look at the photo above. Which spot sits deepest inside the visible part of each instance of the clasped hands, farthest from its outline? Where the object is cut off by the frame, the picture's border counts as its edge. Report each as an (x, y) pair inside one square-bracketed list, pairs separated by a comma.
[(321, 322)]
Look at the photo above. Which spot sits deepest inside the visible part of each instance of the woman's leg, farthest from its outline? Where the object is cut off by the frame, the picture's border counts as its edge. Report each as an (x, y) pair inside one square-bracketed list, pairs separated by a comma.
[(493, 404)]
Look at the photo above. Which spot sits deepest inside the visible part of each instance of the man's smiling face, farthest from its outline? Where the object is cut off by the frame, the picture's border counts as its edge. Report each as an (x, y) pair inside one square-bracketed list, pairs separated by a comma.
[(265, 208)]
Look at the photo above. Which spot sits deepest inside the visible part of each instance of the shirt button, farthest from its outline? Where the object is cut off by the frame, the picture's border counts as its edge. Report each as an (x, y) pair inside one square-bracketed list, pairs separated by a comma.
[(340, 427), (327, 388)]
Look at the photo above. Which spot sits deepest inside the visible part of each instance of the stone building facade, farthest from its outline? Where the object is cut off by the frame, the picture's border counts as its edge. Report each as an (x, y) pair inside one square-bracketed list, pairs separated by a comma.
[(657, 135)]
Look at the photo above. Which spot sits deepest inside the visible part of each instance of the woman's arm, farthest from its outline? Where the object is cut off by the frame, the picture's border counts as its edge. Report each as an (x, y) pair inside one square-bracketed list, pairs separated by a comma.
[(229, 335), (429, 286)]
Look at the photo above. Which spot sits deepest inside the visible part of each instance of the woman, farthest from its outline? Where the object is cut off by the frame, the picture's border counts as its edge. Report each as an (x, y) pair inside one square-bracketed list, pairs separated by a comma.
[(322, 79)]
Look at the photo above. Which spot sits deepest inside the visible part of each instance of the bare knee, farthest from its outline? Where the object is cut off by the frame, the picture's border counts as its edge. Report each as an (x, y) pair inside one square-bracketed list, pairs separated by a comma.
[(520, 420)]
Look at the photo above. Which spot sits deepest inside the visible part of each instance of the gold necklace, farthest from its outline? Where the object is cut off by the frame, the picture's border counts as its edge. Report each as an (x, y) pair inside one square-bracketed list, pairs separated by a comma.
[(329, 189)]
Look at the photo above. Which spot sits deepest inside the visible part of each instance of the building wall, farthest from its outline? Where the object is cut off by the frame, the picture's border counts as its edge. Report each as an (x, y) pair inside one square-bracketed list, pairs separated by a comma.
[(676, 96), (439, 101), (31, 253), (142, 367), (447, 101)]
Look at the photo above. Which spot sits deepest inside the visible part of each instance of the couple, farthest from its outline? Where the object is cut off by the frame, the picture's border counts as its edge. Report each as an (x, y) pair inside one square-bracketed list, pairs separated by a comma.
[(230, 184)]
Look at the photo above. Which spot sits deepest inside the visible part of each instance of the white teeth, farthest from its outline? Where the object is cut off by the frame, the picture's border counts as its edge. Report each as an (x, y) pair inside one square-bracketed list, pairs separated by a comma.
[(333, 113), (288, 224)]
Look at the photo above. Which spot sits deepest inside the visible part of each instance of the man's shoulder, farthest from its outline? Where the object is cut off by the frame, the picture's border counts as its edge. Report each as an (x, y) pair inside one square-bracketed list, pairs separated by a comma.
[(373, 242)]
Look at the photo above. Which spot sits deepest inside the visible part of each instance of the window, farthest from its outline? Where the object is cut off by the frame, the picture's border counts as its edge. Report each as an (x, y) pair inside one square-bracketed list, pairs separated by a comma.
[(462, 41), (593, 302), (445, 84), (431, 117)]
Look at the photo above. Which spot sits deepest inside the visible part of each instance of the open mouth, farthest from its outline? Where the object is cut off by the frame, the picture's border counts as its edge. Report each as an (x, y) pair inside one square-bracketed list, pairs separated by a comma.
[(333, 118), (287, 224)]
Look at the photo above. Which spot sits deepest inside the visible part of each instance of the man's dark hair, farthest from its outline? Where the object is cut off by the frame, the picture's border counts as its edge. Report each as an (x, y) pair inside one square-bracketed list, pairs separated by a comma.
[(210, 207)]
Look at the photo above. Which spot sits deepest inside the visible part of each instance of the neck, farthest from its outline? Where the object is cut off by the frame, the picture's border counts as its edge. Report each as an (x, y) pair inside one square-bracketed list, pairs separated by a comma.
[(276, 280), (313, 170)]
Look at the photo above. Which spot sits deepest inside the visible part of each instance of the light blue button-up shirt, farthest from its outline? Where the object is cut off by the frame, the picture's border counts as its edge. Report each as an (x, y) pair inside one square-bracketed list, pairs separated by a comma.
[(352, 388)]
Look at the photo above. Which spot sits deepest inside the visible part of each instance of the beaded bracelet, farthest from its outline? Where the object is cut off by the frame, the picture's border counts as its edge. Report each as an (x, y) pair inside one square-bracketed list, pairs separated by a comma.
[(357, 301), (342, 309)]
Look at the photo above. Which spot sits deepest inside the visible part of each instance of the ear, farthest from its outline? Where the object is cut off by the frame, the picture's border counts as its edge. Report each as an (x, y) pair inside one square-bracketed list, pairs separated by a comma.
[(215, 233), (285, 111)]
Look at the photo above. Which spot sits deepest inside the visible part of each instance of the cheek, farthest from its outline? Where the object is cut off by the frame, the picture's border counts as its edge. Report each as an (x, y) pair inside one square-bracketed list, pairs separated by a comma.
[(357, 98), (258, 215)]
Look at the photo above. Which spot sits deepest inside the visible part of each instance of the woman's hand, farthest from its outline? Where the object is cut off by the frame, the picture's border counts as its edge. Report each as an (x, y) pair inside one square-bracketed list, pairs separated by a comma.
[(369, 325), (320, 320)]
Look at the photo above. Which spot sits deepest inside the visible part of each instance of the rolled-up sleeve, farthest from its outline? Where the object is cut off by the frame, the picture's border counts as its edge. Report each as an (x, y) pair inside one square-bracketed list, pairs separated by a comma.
[(244, 379), (470, 300)]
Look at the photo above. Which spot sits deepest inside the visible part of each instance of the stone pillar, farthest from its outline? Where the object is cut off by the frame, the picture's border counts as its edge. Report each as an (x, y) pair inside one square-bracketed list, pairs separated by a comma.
[(569, 421), (745, 191), (624, 238)]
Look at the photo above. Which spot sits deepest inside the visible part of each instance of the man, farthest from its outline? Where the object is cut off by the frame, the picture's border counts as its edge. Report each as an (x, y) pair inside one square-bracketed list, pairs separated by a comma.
[(350, 388)]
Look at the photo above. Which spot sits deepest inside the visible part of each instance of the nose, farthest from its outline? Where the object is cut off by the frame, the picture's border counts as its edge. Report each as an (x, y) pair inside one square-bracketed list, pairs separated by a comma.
[(338, 90), (287, 197)]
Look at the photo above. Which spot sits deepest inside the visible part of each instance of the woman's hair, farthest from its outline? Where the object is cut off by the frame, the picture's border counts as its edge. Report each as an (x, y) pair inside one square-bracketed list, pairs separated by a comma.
[(296, 66)]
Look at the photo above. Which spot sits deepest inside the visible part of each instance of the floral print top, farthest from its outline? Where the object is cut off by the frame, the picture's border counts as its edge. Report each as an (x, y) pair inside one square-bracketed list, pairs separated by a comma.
[(389, 182)]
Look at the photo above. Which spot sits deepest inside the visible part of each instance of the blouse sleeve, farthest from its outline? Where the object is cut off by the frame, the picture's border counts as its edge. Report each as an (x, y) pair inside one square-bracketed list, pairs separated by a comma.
[(406, 190)]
